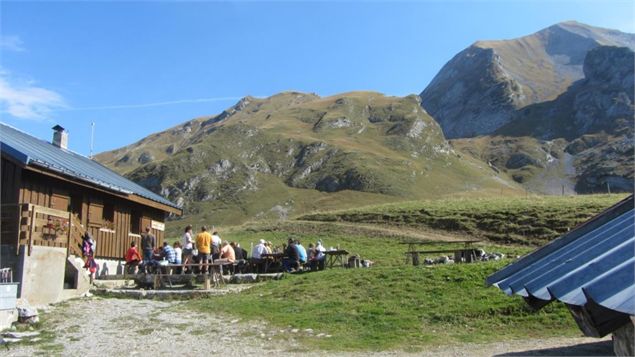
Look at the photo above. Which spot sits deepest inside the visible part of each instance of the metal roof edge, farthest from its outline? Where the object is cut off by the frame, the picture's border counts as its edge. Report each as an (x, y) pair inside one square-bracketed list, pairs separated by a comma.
[(599, 219), (591, 300), (16, 154)]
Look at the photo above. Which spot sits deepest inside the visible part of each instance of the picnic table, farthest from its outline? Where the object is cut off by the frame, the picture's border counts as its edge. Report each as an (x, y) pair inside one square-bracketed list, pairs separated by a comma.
[(271, 259), (334, 257), (465, 253)]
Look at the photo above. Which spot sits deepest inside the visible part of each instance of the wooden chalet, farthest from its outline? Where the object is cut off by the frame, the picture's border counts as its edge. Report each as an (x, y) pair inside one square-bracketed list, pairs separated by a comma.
[(51, 196)]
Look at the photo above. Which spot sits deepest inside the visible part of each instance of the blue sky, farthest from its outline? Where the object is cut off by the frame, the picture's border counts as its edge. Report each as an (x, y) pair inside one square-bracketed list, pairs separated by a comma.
[(135, 68)]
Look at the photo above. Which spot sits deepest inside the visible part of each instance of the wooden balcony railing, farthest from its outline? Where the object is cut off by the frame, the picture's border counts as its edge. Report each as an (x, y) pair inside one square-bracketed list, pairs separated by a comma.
[(43, 226)]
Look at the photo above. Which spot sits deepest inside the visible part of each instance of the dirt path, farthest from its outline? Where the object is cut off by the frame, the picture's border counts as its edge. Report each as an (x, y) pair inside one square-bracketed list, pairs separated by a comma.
[(118, 327)]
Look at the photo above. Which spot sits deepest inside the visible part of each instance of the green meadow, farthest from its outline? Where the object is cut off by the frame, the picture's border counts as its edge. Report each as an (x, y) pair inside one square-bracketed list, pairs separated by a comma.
[(394, 305)]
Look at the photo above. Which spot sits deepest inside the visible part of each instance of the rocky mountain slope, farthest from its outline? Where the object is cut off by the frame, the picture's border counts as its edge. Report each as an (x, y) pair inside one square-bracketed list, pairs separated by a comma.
[(595, 115), (553, 111), (601, 101), (481, 88), (582, 140), (296, 152)]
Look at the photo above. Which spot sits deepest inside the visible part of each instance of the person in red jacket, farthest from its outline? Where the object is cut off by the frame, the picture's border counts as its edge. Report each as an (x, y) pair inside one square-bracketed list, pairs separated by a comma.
[(133, 258)]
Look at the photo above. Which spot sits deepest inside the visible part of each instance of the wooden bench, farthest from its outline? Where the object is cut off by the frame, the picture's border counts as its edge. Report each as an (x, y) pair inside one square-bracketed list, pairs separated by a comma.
[(465, 253), (214, 274)]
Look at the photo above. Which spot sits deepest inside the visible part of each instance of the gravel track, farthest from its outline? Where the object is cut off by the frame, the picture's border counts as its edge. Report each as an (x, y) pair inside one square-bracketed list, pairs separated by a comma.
[(125, 327)]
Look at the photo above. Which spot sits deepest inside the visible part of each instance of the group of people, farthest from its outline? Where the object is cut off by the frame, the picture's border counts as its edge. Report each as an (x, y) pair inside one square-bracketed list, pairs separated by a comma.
[(295, 256), (201, 250), (208, 248), (195, 253)]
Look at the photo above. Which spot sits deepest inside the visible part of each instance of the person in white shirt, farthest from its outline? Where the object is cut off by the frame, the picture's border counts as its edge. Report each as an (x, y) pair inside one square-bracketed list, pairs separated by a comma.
[(188, 246), (216, 243), (256, 255), (259, 250), (178, 251), (319, 255)]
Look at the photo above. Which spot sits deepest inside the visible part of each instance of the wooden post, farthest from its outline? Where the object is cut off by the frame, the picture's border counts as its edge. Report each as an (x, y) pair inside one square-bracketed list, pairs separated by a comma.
[(415, 259), (20, 211), (608, 187), (458, 258), (207, 284), (623, 344), (33, 211), (157, 280), (563, 190), (68, 236)]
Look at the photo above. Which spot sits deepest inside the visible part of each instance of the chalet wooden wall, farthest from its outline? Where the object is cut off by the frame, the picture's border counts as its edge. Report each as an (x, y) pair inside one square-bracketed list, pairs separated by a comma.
[(113, 237), (10, 193)]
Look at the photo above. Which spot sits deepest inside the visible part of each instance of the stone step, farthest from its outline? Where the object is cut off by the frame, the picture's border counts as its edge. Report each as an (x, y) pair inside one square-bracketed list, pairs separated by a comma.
[(115, 277), (169, 294), (114, 284), (253, 278), (179, 279)]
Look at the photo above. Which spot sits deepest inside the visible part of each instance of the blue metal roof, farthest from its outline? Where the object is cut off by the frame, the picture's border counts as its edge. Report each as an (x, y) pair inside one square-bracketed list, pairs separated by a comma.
[(33, 151), (596, 261)]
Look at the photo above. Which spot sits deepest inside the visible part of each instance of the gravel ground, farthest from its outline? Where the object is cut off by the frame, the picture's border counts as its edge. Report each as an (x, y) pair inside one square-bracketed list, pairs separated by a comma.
[(125, 327)]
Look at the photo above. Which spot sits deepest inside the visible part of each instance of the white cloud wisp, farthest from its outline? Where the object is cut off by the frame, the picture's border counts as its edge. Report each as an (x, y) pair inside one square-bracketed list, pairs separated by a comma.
[(26, 101), (11, 43), (148, 105)]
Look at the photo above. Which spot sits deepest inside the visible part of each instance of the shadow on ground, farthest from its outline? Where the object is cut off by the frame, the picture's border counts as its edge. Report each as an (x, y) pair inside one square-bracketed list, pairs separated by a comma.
[(603, 348)]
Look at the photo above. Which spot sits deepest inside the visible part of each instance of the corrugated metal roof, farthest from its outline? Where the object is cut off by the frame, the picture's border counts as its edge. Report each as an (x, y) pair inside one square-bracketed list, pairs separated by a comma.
[(596, 261), (33, 151)]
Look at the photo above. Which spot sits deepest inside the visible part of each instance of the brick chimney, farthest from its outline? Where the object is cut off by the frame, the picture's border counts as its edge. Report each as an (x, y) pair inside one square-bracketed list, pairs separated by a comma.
[(60, 137)]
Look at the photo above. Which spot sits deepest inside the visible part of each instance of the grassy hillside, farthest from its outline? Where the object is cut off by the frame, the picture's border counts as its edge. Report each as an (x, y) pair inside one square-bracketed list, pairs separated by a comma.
[(274, 203), (293, 153), (523, 220)]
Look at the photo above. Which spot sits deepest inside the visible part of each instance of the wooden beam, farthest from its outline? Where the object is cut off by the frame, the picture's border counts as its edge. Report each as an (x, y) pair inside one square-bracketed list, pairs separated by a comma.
[(32, 229), (68, 238), (148, 202), (51, 211)]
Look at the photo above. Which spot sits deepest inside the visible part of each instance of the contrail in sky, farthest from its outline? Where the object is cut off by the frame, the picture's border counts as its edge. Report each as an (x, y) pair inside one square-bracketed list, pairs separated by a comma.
[(148, 105)]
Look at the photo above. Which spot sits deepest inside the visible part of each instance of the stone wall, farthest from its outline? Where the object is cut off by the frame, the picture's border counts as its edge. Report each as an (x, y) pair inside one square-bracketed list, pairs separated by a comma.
[(109, 267), (43, 275)]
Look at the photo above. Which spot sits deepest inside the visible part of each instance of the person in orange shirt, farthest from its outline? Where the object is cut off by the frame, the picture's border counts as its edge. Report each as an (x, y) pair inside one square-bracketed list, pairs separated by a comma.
[(203, 244), (133, 258)]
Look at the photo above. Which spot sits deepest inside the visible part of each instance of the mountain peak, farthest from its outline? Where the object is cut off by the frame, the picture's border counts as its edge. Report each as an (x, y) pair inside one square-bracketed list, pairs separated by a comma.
[(573, 25), (477, 91)]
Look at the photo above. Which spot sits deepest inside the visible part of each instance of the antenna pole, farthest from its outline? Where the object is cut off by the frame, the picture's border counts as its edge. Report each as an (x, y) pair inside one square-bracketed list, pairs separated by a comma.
[(92, 138)]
